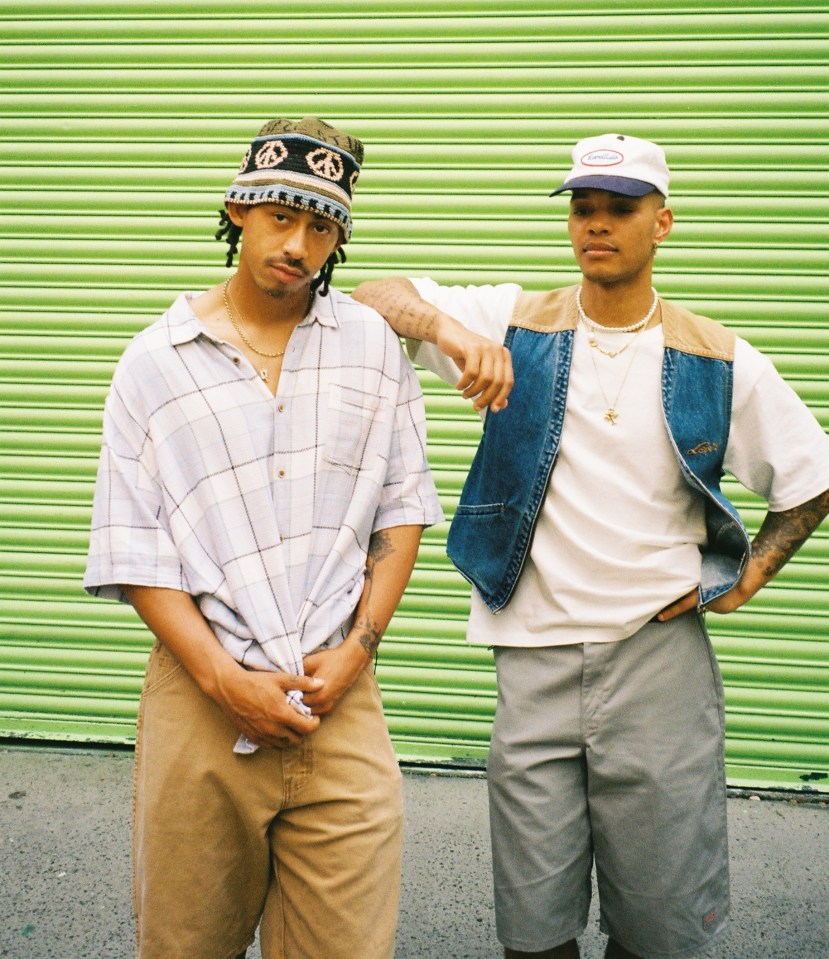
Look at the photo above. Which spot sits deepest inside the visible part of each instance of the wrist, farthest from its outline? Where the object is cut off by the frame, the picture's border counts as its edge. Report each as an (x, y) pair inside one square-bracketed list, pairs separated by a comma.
[(220, 677), (446, 331), (355, 652), (751, 582)]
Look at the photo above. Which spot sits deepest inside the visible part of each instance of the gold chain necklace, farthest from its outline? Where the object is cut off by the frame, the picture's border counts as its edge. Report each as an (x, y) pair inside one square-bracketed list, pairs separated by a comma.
[(591, 326), (611, 413), (263, 373)]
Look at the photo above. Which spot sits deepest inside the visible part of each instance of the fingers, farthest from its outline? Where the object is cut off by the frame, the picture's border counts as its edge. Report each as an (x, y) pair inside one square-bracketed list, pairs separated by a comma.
[(262, 711), (304, 683), (339, 670), (298, 726), (486, 365), (288, 729), (682, 605), (487, 376)]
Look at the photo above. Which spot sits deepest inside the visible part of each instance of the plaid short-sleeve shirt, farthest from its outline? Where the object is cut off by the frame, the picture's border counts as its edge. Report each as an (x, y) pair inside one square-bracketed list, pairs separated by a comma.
[(260, 507)]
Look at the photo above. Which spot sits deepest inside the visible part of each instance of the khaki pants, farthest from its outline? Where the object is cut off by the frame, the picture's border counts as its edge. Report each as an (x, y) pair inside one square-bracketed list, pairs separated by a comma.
[(308, 839)]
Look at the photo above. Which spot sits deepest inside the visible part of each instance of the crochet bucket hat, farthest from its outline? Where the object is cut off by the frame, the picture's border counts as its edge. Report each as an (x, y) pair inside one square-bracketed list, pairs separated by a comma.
[(306, 164)]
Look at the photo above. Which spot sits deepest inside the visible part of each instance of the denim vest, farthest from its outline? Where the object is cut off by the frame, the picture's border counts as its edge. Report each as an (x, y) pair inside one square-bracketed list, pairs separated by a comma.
[(493, 526)]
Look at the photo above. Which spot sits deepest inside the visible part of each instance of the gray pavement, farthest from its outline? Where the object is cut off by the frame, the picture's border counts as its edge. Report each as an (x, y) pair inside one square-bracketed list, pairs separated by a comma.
[(65, 875)]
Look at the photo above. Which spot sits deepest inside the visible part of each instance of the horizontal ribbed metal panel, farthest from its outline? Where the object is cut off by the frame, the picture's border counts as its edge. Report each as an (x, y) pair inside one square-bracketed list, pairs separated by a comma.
[(122, 123)]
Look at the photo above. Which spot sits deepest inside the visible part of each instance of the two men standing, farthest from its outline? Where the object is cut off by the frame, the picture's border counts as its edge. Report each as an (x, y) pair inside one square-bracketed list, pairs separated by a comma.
[(262, 489)]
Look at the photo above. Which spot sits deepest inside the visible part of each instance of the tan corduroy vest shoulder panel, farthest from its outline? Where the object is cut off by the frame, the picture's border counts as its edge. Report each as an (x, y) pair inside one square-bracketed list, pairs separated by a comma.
[(685, 331), (546, 312), (689, 333)]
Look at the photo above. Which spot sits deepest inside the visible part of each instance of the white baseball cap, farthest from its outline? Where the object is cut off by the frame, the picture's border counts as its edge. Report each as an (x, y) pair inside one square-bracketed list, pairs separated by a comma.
[(619, 164)]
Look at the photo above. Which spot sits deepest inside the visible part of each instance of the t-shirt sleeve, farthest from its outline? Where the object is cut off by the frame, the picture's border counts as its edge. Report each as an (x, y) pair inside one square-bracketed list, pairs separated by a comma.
[(776, 446)]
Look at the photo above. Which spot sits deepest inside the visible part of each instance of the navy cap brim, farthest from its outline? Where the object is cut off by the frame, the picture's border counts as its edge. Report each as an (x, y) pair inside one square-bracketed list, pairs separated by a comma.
[(613, 184)]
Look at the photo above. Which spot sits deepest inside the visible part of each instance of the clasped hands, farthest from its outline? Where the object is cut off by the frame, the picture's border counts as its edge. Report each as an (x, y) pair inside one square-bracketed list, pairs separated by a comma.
[(257, 701)]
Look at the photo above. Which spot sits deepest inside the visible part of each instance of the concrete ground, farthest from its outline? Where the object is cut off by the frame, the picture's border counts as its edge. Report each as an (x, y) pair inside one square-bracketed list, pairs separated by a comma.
[(65, 874)]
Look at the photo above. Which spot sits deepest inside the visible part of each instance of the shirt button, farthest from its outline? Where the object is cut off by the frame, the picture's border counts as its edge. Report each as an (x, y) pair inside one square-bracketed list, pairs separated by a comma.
[(236, 360), (281, 473), (281, 407)]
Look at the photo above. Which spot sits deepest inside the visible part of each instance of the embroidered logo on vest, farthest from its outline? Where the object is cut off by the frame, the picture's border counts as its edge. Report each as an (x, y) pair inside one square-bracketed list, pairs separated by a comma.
[(702, 448)]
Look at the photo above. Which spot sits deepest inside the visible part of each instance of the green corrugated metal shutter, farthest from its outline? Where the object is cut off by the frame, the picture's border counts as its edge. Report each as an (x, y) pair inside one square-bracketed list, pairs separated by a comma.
[(122, 123)]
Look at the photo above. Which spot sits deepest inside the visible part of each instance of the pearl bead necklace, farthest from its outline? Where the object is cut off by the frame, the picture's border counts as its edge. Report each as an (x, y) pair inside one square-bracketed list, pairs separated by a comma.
[(592, 324)]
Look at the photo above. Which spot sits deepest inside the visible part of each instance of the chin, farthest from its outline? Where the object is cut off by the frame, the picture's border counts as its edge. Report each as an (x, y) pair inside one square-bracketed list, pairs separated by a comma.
[(275, 293), (273, 288)]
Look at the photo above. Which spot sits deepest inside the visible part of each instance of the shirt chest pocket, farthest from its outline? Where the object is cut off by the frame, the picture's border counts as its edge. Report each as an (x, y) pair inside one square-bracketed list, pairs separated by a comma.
[(353, 429)]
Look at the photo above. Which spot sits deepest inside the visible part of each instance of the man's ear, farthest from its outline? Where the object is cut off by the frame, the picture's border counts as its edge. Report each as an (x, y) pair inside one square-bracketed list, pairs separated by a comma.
[(236, 214), (664, 222)]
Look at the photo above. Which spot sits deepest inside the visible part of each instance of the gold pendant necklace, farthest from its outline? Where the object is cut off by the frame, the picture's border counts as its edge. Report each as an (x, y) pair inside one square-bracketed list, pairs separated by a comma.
[(263, 373), (611, 413)]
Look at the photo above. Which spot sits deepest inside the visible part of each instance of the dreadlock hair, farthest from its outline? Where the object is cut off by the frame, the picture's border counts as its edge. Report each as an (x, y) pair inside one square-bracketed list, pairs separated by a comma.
[(323, 278), (229, 232)]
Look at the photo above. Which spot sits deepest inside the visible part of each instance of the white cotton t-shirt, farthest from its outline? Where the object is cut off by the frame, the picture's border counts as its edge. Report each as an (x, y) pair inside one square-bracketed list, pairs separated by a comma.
[(619, 533)]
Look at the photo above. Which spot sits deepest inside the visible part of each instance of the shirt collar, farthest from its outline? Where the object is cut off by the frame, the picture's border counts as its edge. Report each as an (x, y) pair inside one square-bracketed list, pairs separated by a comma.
[(323, 311), (184, 326), (182, 323)]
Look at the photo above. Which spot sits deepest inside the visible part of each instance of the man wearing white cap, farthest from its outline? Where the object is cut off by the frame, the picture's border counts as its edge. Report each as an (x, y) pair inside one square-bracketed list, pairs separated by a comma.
[(261, 495), (593, 524)]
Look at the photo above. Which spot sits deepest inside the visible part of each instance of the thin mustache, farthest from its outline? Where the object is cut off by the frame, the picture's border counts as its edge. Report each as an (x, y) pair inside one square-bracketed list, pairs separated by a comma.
[(293, 265)]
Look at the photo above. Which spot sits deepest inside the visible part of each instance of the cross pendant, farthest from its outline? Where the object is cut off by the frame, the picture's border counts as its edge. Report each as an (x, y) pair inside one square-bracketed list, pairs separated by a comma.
[(611, 416)]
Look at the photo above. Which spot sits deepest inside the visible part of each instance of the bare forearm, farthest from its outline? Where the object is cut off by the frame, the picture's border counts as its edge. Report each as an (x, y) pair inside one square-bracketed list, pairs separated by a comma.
[(175, 619), (486, 366), (391, 557), (780, 536), (255, 701), (397, 300), (778, 539)]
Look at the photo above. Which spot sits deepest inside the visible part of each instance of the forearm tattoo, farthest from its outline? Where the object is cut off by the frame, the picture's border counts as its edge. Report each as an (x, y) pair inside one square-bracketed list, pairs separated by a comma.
[(407, 316), (380, 547), (782, 534), (369, 636)]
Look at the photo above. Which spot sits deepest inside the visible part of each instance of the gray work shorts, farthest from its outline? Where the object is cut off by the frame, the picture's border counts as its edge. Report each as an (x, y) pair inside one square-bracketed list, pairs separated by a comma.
[(613, 753)]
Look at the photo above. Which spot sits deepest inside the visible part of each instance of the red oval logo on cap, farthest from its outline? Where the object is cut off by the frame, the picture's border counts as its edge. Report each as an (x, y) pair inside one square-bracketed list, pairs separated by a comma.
[(602, 158)]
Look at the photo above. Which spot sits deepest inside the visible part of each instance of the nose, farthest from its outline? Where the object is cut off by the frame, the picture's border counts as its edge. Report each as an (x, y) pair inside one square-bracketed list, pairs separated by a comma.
[(295, 242), (597, 225)]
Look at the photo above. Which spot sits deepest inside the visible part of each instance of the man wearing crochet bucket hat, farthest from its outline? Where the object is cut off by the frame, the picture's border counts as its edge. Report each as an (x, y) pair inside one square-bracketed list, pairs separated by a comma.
[(594, 524), (261, 494)]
